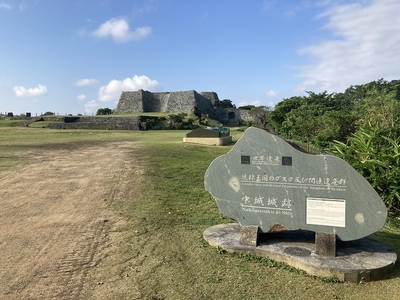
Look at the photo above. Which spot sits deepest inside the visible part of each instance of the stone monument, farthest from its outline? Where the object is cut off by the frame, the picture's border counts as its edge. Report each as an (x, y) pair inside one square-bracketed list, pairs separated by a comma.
[(218, 136), (268, 187)]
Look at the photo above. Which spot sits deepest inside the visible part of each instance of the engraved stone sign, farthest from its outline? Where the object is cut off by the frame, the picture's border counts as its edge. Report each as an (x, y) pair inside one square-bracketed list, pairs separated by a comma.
[(265, 182)]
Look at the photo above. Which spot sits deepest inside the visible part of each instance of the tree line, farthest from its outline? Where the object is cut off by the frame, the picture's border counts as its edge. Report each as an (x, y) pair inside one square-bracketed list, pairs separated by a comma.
[(360, 125)]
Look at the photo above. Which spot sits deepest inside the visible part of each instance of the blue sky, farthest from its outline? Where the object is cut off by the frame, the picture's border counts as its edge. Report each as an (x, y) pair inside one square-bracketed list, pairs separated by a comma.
[(75, 56)]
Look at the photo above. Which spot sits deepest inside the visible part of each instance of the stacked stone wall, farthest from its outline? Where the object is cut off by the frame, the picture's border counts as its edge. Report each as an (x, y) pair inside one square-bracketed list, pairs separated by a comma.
[(205, 102), (177, 102), (244, 115), (130, 102), (168, 102), (100, 123), (212, 96), (185, 101)]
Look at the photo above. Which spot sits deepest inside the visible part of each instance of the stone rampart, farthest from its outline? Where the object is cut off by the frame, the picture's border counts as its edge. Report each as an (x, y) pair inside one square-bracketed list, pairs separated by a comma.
[(100, 123), (186, 101), (177, 102)]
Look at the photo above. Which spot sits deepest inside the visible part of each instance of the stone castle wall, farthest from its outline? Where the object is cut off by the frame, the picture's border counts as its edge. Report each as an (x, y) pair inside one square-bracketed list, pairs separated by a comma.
[(102, 123), (177, 102), (186, 101)]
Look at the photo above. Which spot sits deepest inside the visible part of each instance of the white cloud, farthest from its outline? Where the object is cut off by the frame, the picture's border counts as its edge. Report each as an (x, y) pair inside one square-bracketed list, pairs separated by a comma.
[(21, 91), (256, 103), (249, 102), (91, 106), (86, 82), (5, 5), (112, 91), (119, 31), (81, 97), (271, 93), (366, 48)]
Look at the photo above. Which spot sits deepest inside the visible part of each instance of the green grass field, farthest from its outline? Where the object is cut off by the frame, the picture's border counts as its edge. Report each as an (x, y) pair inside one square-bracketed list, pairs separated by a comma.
[(175, 209)]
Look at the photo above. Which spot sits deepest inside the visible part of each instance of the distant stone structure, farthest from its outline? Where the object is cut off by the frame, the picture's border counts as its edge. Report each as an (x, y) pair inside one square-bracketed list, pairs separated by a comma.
[(101, 122), (185, 101), (144, 101)]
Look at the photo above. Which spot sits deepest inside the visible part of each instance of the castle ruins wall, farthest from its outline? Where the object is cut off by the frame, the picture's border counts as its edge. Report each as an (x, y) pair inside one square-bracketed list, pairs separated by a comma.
[(177, 102), (100, 123), (144, 101)]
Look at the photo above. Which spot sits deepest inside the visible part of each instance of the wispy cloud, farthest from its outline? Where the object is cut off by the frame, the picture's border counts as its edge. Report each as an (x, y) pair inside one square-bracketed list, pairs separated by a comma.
[(366, 47), (86, 82), (91, 106), (119, 31), (4, 5), (267, 4), (249, 102), (271, 93), (21, 91), (147, 6), (112, 91), (81, 97)]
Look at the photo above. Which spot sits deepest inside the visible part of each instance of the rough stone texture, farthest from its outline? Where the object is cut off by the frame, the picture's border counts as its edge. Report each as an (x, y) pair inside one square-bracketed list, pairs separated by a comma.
[(356, 261), (249, 235), (176, 102), (325, 244), (244, 115), (263, 181), (144, 101), (100, 123)]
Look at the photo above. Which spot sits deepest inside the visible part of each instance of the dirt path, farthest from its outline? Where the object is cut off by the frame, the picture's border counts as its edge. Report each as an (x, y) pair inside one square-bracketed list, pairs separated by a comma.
[(55, 226)]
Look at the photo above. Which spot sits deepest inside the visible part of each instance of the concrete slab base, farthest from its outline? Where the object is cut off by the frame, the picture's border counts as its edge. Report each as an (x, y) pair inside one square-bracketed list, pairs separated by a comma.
[(356, 261)]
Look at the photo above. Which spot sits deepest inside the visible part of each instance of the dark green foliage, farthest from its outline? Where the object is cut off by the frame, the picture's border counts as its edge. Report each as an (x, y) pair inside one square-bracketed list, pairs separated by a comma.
[(364, 122), (155, 123), (173, 121), (104, 111), (322, 118), (226, 103), (48, 113), (278, 115), (376, 157), (246, 107), (180, 121), (260, 115), (319, 118)]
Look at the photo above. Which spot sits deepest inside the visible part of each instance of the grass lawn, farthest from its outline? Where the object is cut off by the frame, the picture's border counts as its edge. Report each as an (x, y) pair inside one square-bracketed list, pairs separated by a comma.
[(174, 209)]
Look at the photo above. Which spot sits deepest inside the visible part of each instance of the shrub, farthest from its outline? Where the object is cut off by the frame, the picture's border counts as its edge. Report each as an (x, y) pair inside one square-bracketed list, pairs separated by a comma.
[(376, 157)]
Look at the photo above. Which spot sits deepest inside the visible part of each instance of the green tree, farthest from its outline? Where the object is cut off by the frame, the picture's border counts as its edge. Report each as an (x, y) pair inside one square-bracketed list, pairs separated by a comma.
[(260, 115), (279, 114), (323, 117), (380, 111), (246, 107), (226, 103), (104, 111), (317, 117), (304, 119)]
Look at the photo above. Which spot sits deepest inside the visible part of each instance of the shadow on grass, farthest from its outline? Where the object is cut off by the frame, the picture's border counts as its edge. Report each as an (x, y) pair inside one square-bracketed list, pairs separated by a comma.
[(390, 236)]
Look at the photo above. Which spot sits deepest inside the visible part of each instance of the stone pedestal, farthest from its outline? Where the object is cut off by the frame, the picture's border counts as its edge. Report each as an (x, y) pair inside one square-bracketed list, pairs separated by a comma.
[(325, 244), (249, 235), (355, 261)]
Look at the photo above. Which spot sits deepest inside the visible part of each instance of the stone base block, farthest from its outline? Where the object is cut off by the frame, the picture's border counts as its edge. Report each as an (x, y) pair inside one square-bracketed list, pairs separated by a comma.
[(355, 261), (222, 141)]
